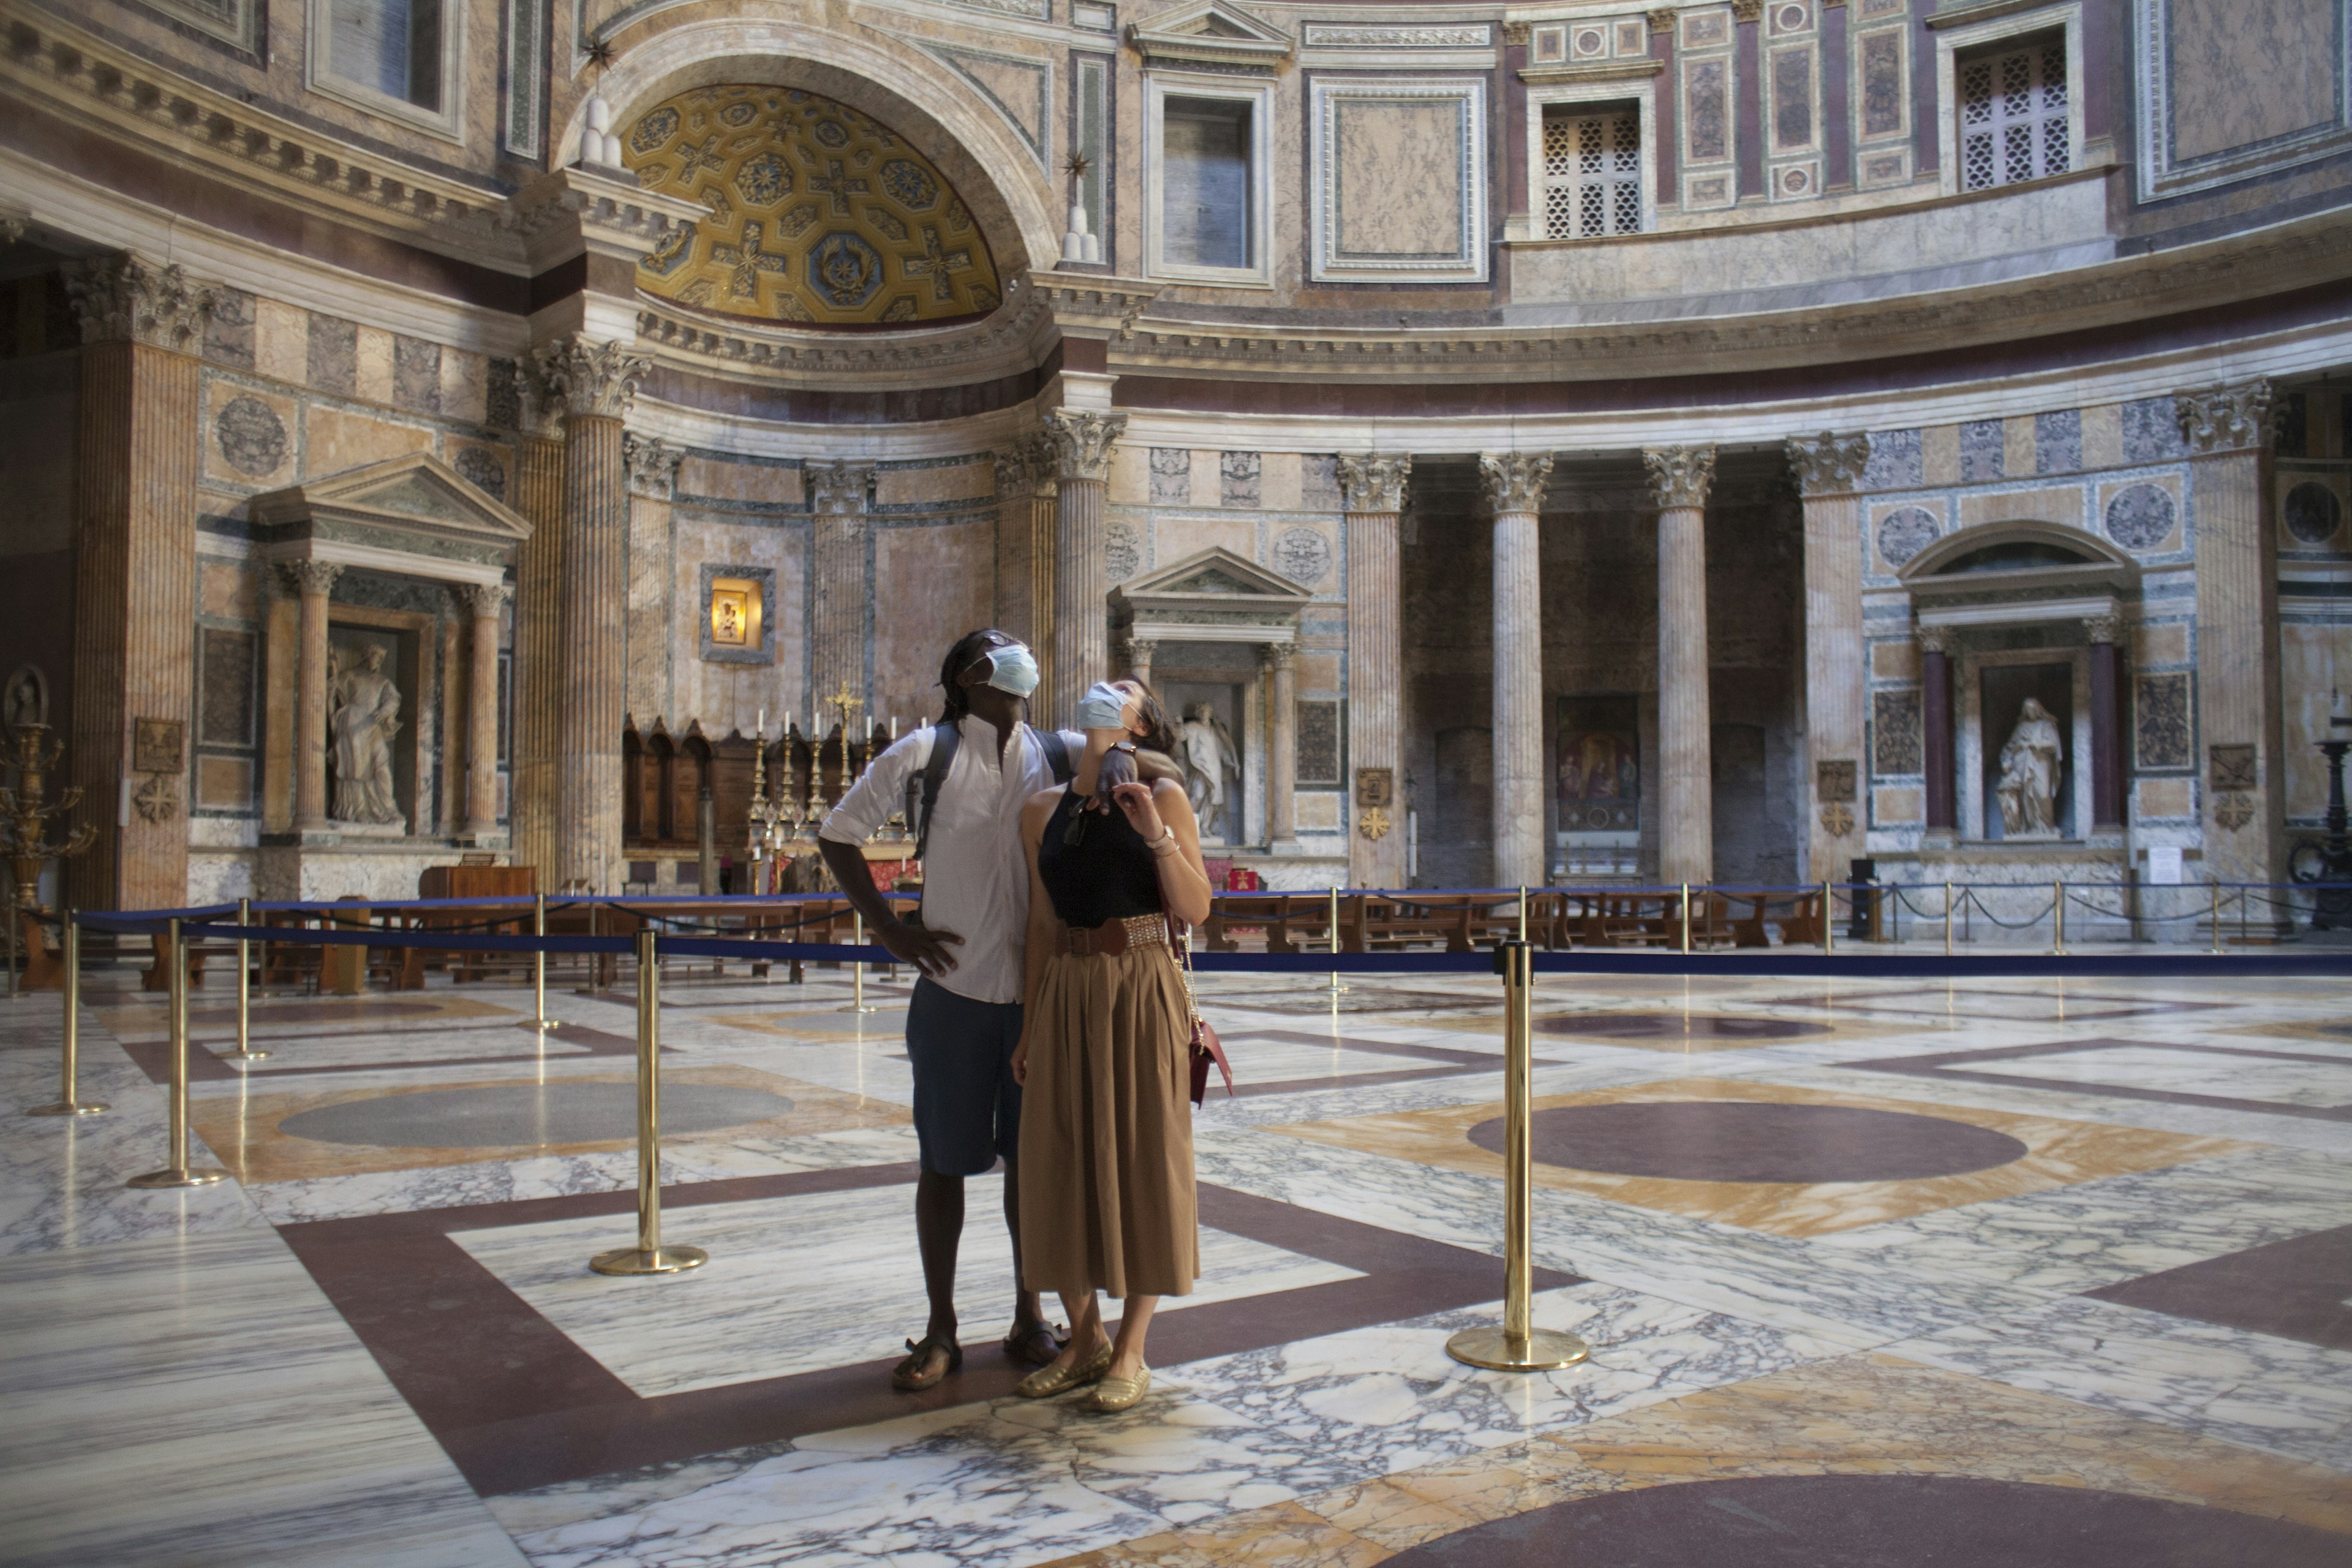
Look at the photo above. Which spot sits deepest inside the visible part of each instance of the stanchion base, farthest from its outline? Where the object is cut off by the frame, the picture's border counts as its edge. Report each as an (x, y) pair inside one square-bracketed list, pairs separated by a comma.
[(869, 1007), (1543, 1350), (662, 1260), (177, 1176), (542, 1024), (68, 1107), (240, 1056)]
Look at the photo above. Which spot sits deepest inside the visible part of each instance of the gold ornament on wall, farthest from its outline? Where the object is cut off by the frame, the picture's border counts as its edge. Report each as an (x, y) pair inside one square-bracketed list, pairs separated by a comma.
[(1374, 825), (819, 214), (1837, 819)]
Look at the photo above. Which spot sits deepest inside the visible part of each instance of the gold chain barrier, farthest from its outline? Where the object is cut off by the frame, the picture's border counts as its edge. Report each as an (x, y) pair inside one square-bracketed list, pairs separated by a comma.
[(71, 1105), (1519, 1345), (649, 1255), (178, 1173)]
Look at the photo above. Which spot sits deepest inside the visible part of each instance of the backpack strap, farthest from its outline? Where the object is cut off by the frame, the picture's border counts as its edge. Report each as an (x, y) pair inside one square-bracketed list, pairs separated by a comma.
[(1057, 755), (945, 739)]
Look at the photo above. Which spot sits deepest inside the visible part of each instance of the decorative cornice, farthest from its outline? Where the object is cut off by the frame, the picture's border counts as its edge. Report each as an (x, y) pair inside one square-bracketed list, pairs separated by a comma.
[(123, 297), (652, 465), (1828, 465), (1093, 306), (1010, 341), (837, 489), (2225, 418), (485, 600), (1373, 484), (576, 210), (1353, 35), (1594, 71), (1679, 476), (597, 380), (1244, 43), (1082, 442), (1515, 480)]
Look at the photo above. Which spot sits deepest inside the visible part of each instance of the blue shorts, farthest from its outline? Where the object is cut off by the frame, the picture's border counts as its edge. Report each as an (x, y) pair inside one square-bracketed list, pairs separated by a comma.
[(966, 1107)]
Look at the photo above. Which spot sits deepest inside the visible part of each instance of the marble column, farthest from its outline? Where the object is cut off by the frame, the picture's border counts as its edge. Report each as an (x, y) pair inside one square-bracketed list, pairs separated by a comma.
[(1828, 469), (597, 384), (2106, 723), (2227, 430), (652, 482), (486, 600), (1082, 452), (135, 468), (1936, 748), (312, 581), (844, 606), (1026, 488), (1280, 661), (1372, 490), (456, 694), (538, 494), (1515, 487), (1680, 478), (1135, 656)]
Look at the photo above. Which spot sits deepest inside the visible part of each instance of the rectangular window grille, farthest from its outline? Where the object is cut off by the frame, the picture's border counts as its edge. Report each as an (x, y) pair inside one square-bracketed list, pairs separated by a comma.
[(1593, 174), (2014, 117)]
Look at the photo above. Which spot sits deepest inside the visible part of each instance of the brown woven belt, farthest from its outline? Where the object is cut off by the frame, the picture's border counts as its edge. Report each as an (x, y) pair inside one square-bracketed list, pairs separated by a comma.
[(1111, 938)]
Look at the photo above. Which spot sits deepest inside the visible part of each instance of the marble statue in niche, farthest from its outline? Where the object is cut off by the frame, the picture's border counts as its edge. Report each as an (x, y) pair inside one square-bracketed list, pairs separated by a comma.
[(1210, 759), (2027, 790), (364, 715)]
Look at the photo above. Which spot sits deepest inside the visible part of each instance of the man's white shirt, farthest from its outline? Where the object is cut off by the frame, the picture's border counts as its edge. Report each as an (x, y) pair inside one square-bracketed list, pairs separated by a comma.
[(975, 875)]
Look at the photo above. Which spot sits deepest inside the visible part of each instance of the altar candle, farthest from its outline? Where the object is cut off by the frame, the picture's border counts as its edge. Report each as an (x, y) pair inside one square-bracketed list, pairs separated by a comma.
[(762, 731)]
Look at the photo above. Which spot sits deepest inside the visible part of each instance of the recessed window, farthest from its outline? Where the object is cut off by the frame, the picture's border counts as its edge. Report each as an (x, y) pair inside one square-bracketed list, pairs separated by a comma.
[(1205, 181), (392, 57), (1592, 173), (2013, 109)]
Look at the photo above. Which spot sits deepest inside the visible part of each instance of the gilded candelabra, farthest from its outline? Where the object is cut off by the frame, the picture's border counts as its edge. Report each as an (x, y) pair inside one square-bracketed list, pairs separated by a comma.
[(25, 814), (764, 813)]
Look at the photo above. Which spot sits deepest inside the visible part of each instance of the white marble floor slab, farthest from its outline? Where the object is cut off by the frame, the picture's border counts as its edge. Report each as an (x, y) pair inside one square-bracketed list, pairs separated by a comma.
[(2235, 1077), (798, 1284)]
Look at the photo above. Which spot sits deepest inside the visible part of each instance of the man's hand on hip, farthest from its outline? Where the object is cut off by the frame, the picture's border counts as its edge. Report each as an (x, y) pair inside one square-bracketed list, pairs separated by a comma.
[(920, 946)]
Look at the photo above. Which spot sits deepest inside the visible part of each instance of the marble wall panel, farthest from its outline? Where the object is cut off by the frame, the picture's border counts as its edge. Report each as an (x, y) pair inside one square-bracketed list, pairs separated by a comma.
[(1898, 805), (376, 372), (224, 784), (1395, 181), (1793, 100), (1177, 537), (250, 436), (2064, 505), (281, 341), (228, 330), (1896, 737), (1882, 106), (1895, 461), (2058, 442), (2017, 445), (1707, 110), (933, 582), (2160, 642), (701, 474), (1939, 453), (2142, 515), (1895, 660), (465, 385), (416, 375), (332, 356), (336, 439), (228, 589), (1318, 482), (1238, 476), (1980, 451), (2245, 71), (2151, 431), (972, 480), (2164, 800), (1170, 475), (482, 464), (1130, 475), (2102, 437), (2163, 727), (1280, 481), (726, 698), (2307, 679)]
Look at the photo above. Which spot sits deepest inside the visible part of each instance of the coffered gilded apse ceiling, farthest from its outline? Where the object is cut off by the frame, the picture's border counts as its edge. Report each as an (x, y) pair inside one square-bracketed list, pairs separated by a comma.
[(819, 214)]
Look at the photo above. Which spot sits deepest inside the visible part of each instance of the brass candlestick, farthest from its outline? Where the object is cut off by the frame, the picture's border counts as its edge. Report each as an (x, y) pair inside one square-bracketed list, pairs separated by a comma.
[(763, 814), (25, 814)]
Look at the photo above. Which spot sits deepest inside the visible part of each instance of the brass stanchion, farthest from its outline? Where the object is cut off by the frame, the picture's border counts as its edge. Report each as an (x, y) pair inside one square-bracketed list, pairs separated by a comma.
[(649, 1255), (858, 1003), (1829, 921), (1336, 988), (539, 1018), (2058, 918), (71, 1065), (1948, 919), (244, 1051), (178, 1173), (1519, 1345), (1685, 917)]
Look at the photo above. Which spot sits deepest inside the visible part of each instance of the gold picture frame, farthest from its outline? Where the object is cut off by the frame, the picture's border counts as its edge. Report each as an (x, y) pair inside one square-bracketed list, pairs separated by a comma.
[(735, 609)]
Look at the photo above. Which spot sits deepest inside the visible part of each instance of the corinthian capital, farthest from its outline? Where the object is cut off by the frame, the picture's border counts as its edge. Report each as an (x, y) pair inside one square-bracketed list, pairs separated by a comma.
[(1370, 483), (1082, 442), (2223, 417), (120, 298), (837, 489), (487, 599), (1828, 465), (1679, 476), (538, 407), (653, 465), (312, 576), (1515, 480), (593, 379), (1025, 466)]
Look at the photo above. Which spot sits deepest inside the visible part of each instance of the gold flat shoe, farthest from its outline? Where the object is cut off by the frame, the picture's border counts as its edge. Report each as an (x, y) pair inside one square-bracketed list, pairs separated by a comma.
[(1048, 1380), (1113, 1395)]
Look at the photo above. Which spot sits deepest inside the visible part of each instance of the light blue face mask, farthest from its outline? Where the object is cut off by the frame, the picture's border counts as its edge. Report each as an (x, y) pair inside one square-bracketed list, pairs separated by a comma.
[(1103, 707), (1013, 668)]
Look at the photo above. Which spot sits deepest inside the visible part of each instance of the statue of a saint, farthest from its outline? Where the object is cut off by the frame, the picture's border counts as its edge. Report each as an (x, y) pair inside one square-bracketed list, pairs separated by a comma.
[(364, 715), (1210, 758), (2027, 790)]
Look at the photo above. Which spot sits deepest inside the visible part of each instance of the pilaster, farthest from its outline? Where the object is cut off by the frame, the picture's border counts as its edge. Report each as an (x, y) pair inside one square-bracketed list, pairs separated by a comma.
[(486, 602), (652, 482), (1372, 490), (1282, 744), (1829, 474), (538, 494), (842, 621)]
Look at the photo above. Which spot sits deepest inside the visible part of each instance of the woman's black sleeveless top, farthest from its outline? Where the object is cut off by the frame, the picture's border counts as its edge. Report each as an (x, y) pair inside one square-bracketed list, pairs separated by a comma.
[(1106, 875)]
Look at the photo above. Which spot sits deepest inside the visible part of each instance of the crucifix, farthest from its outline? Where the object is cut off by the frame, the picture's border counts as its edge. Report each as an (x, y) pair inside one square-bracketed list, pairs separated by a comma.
[(840, 185), (938, 264), (749, 261)]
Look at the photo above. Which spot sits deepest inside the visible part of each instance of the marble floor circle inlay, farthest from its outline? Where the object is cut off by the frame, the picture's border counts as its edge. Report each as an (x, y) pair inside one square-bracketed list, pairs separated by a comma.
[(1750, 1140), (524, 1115)]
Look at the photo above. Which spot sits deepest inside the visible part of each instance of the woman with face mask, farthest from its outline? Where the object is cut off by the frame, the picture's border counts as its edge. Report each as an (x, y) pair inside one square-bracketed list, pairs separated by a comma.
[(1107, 1199)]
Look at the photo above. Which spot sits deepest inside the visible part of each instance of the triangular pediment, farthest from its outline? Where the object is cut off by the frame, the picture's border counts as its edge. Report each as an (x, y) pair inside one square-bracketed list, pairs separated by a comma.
[(1209, 33), (1215, 578), (414, 493)]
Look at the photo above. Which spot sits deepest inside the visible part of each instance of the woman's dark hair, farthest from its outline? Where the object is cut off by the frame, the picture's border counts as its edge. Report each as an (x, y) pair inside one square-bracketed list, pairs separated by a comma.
[(967, 651), (1155, 747)]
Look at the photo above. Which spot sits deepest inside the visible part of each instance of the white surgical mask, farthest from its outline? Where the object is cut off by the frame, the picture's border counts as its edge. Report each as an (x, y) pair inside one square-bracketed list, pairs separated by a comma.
[(1103, 707), (1013, 668)]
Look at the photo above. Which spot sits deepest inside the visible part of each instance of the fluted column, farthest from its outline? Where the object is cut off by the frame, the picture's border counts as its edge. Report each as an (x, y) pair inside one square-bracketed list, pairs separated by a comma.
[(1281, 663), (1829, 472), (2228, 430), (312, 581), (597, 384), (538, 494), (837, 565), (1515, 487), (1372, 490), (134, 568), (653, 483), (1082, 451), (1679, 479), (1025, 484), (1937, 751), (486, 600)]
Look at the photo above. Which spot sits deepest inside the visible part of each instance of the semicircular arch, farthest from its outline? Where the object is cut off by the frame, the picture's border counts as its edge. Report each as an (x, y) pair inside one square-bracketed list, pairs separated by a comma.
[(1939, 557), (947, 122)]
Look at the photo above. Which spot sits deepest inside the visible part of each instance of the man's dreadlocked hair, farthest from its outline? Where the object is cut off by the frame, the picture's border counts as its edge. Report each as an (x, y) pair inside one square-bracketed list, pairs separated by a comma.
[(968, 650)]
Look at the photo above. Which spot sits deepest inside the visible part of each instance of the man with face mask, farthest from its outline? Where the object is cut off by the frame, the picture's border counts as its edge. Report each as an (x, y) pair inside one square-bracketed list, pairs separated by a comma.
[(964, 780)]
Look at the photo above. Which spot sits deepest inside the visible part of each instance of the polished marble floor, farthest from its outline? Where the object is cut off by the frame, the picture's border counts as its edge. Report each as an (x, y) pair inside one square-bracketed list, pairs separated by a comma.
[(1871, 1271)]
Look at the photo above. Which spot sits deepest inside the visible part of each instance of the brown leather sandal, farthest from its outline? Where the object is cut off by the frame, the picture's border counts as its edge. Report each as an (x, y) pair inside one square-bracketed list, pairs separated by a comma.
[(1034, 1343), (908, 1376)]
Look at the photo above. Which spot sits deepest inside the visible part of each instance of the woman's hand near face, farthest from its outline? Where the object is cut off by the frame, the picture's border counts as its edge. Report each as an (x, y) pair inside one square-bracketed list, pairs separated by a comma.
[(1134, 799)]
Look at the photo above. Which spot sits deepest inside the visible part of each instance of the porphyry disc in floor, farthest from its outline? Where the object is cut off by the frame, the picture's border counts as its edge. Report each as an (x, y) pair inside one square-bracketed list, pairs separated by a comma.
[(518, 1115), (1756, 1141)]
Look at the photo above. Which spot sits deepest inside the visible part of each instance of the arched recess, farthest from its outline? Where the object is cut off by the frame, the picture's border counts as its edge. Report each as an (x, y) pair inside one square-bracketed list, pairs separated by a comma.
[(1000, 181), (2037, 546)]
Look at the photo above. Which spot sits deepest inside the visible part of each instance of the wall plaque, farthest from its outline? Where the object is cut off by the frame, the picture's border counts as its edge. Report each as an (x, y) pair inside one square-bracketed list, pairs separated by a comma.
[(159, 745), (1835, 782), (2233, 767), (1375, 787)]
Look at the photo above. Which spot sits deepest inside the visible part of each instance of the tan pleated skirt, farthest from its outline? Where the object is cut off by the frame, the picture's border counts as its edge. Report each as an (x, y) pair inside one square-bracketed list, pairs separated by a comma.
[(1107, 1199)]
